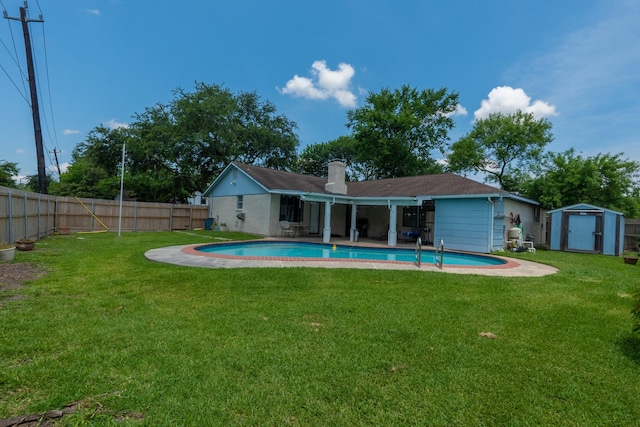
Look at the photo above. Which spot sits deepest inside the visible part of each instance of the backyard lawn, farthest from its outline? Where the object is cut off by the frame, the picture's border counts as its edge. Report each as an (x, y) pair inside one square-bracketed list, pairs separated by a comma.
[(114, 339)]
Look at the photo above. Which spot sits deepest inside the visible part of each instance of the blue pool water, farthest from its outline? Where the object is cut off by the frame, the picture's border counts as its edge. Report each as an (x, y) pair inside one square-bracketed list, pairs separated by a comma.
[(303, 250)]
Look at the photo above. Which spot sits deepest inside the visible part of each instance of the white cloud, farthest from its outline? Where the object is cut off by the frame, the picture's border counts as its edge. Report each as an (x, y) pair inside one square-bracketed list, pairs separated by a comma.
[(114, 124), (93, 11), (20, 178), (304, 88), (324, 84), (459, 111), (507, 100), (70, 132), (21, 151), (64, 166)]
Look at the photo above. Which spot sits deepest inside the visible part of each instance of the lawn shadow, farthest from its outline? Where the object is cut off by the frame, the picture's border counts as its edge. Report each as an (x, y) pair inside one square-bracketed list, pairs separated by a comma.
[(630, 346)]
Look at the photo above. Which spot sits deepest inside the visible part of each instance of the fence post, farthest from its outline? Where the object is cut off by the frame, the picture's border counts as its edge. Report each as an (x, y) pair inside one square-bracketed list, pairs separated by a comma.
[(46, 233), (26, 216), (93, 210), (56, 220), (38, 219), (135, 216), (10, 222)]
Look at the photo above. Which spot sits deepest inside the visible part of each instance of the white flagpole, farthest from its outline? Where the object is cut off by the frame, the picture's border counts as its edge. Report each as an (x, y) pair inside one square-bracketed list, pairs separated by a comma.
[(121, 191)]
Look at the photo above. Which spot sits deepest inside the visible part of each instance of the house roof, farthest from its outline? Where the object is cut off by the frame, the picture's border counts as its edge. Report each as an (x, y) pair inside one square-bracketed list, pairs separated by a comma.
[(274, 180), (412, 186)]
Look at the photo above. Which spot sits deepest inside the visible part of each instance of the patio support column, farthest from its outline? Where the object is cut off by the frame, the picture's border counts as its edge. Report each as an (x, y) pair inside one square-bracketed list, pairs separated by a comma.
[(326, 233), (354, 213), (393, 233)]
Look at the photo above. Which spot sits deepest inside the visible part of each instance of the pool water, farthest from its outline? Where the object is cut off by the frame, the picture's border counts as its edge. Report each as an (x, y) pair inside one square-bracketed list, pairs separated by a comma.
[(315, 251)]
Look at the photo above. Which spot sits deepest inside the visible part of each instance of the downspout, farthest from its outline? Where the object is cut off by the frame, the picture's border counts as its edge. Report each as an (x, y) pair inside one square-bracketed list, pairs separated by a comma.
[(491, 215)]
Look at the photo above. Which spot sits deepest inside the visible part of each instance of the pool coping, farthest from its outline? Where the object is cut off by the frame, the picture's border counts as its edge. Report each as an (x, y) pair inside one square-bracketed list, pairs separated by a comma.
[(186, 255)]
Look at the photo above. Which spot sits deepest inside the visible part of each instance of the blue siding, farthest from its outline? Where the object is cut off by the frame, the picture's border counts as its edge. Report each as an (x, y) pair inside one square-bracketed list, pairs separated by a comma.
[(464, 224), (556, 231), (609, 233), (234, 183), (621, 236)]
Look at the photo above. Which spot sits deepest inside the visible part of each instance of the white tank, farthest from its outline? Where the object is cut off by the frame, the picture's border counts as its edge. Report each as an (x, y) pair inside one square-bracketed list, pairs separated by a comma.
[(514, 233)]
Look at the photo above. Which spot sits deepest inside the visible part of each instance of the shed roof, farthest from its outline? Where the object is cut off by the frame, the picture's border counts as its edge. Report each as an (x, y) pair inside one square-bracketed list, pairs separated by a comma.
[(584, 207)]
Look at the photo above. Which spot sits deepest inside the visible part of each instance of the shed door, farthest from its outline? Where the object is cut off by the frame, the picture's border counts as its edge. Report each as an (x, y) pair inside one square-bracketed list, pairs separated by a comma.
[(584, 233)]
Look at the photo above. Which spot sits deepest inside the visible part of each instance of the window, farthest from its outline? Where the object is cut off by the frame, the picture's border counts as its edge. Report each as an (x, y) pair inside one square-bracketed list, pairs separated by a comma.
[(239, 203), (291, 208), (411, 217), (416, 216)]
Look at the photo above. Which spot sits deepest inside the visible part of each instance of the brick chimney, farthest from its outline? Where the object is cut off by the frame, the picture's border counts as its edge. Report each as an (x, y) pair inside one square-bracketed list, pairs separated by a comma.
[(336, 180)]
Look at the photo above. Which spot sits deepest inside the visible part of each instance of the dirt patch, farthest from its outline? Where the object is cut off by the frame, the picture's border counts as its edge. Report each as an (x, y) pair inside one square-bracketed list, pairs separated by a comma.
[(89, 408), (14, 275)]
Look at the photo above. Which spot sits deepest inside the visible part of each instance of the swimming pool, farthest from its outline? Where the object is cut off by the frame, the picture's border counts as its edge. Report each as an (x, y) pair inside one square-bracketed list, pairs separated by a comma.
[(274, 250)]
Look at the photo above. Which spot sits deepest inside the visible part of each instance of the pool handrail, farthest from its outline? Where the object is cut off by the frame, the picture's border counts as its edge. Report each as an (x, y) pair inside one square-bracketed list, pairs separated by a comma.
[(439, 250), (418, 251)]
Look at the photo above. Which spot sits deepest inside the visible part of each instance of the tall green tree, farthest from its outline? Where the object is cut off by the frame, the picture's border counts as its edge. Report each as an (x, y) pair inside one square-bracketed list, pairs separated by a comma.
[(315, 158), (503, 147), (32, 183), (396, 131), (212, 126), (95, 165), (7, 171), (178, 148), (262, 136), (606, 180)]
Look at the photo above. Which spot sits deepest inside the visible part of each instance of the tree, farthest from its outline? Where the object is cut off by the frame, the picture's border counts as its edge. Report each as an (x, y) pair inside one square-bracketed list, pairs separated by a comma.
[(177, 149), (213, 127), (314, 159), (604, 180), (504, 147), (396, 131), (7, 171), (33, 183), (95, 166), (263, 137)]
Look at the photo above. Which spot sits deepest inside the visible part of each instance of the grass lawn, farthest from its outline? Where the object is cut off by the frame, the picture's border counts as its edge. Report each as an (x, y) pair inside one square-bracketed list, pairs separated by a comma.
[(143, 343)]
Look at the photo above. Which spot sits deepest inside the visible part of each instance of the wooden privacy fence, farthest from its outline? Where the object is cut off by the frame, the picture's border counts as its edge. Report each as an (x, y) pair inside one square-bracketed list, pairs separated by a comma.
[(36, 215), (25, 215), (631, 234)]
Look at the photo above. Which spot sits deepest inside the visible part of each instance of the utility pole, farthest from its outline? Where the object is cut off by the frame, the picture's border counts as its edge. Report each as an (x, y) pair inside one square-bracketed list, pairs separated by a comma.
[(55, 154), (35, 110)]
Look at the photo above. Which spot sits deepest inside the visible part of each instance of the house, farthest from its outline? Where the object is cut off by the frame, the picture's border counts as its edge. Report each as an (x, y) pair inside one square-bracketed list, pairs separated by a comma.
[(586, 228), (466, 214)]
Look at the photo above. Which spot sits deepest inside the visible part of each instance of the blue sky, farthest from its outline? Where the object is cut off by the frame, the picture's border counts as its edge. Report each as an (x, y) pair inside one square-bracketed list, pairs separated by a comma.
[(574, 62)]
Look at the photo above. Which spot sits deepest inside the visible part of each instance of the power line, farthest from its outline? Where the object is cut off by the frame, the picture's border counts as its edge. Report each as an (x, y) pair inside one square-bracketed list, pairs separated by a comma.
[(15, 61), (42, 177), (15, 49), (16, 86), (46, 67)]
